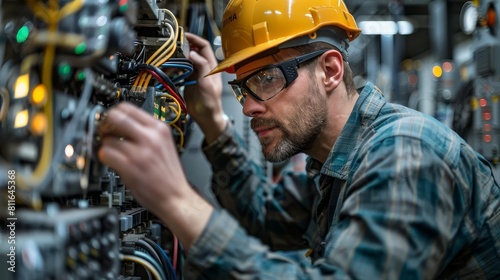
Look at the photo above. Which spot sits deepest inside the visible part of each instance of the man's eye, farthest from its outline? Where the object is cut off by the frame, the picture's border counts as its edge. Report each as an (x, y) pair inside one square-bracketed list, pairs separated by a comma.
[(268, 79)]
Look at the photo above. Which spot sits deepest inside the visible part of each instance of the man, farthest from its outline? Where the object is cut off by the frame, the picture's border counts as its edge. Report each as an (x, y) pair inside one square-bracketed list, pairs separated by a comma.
[(389, 192)]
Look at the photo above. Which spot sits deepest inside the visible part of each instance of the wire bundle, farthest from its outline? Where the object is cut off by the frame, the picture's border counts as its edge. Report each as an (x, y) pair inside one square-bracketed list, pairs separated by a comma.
[(155, 260), (156, 67), (162, 55)]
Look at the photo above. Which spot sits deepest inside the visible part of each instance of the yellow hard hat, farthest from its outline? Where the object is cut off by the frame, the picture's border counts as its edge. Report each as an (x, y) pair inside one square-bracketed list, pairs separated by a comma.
[(251, 27)]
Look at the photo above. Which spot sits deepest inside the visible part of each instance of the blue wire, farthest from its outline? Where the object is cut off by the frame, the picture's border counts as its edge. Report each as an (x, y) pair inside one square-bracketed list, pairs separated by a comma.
[(177, 80), (189, 83), (186, 83), (177, 65), (180, 66), (182, 77), (170, 266), (152, 261)]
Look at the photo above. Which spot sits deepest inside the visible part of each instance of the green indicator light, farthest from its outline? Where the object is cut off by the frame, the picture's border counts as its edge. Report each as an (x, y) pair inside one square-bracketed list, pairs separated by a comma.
[(80, 48), (22, 34), (64, 70), (123, 8), (80, 76)]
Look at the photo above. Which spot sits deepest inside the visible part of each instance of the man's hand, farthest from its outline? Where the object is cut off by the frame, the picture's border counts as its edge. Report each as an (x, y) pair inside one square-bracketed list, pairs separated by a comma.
[(142, 151), (204, 100)]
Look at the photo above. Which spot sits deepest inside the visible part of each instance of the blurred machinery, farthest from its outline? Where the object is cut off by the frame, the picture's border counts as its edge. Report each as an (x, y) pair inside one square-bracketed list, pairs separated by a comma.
[(447, 79), (63, 63), (479, 18)]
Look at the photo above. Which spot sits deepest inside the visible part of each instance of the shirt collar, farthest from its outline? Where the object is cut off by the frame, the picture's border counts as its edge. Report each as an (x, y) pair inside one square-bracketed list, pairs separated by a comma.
[(365, 110)]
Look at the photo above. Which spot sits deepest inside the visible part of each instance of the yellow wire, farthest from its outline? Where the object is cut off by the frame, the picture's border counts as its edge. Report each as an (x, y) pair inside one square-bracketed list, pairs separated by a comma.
[(139, 81), (39, 10), (177, 117), (28, 62), (4, 106), (158, 51), (70, 8), (142, 262), (46, 156), (171, 49), (165, 58), (69, 41), (181, 140), (177, 111), (177, 114), (166, 54), (148, 76), (51, 15), (160, 56), (173, 30)]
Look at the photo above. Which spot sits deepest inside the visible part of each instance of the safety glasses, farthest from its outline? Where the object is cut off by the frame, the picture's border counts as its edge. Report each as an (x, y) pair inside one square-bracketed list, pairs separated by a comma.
[(267, 82)]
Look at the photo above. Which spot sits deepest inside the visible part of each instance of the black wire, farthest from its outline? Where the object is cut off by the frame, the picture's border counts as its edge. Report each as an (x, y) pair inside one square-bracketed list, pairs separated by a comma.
[(153, 245), (142, 52), (141, 57), (179, 59), (162, 75), (149, 249), (160, 254)]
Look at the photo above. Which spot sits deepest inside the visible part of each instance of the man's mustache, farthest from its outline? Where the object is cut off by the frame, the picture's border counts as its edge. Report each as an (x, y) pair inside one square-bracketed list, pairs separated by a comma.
[(264, 122)]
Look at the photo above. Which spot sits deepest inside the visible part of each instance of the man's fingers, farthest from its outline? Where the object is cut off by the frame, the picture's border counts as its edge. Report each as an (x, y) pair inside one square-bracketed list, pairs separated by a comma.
[(137, 113), (203, 47), (111, 153), (201, 64), (126, 120)]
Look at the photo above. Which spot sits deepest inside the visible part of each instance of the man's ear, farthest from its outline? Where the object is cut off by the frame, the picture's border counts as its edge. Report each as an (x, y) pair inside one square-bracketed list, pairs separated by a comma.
[(333, 67)]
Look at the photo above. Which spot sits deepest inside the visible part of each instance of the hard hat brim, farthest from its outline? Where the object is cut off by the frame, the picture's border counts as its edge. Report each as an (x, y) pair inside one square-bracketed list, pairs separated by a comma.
[(228, 64)]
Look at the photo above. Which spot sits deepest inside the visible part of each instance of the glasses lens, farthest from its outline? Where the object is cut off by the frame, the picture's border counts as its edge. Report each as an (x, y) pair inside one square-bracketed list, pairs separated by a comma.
[(239, 93), (266, 83)]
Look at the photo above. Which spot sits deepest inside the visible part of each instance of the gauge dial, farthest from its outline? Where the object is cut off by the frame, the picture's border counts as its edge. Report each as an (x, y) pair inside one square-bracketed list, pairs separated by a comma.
[(469, 18)]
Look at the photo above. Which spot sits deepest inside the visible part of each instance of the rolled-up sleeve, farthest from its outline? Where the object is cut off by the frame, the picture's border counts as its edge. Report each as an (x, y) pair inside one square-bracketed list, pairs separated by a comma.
[(277, 213)]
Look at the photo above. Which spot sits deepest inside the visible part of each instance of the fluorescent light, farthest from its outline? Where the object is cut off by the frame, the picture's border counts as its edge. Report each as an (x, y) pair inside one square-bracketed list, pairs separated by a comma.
[(405, 27), (385, 27)]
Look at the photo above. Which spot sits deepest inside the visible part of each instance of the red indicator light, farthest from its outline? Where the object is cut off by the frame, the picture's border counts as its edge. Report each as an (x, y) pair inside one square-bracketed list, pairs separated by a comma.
[(487, 127), (487, 138), (412, 79), (487, 116), (483, 102), (447, 67), (491, 17)]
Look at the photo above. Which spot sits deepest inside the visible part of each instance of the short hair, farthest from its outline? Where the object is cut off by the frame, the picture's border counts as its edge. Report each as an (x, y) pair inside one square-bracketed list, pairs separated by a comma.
[(347, 78)]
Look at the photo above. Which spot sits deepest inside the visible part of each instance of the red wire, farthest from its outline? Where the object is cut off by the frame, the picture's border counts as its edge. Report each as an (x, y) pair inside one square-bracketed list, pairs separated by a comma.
[(176, 249), (169, 89)]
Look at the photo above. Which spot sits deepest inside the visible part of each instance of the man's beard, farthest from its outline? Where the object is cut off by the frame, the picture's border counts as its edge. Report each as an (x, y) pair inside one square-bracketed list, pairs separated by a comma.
[(304, 126)]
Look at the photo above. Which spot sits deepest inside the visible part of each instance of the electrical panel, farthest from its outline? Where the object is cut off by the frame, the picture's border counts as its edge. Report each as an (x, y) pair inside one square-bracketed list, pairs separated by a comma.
[(479, 18), (63, 64), (80, 243)]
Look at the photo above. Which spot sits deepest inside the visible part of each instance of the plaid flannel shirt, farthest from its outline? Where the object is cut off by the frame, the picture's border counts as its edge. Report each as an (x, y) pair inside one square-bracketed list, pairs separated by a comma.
[(412, 201)]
